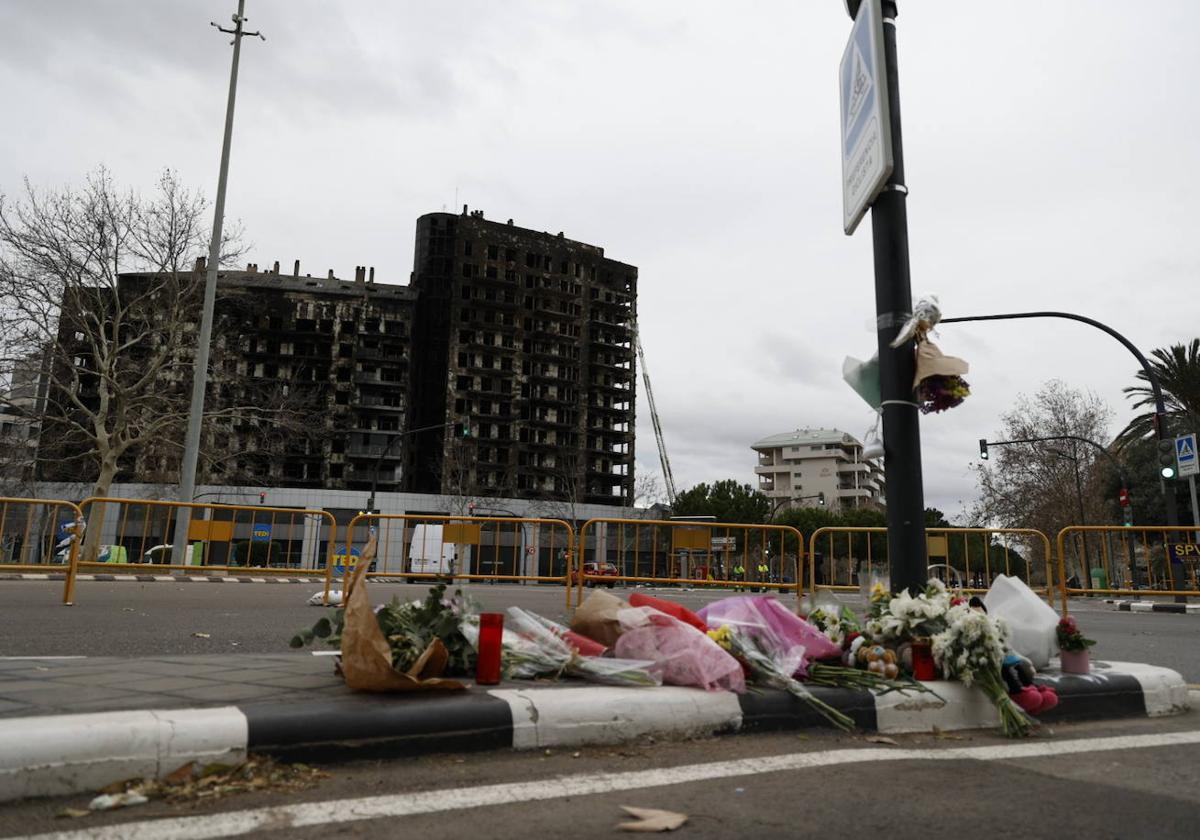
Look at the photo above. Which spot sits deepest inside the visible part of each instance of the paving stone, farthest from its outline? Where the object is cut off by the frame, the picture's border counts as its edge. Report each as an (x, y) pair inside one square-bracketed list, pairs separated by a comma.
[(304, 681), (230, 693), (169, 684)]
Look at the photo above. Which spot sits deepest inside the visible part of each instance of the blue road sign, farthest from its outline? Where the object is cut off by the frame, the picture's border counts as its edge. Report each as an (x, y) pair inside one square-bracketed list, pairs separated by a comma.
[(1185, 456), (261, 532)]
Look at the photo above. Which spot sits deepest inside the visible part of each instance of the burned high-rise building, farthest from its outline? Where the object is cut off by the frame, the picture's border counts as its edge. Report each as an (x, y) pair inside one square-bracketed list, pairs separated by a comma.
[(523, 364), (504, 369)]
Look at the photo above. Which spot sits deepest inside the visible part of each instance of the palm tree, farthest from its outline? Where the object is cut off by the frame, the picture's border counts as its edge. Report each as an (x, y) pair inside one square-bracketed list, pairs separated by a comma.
[(1178, 370)]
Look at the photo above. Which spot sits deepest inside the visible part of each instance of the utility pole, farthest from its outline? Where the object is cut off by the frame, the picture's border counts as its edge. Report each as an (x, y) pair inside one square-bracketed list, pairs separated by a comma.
[(872, 141), (191, 447)]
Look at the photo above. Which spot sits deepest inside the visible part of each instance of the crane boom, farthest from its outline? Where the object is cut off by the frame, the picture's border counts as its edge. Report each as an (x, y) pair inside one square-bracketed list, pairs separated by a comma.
[(668, 478)]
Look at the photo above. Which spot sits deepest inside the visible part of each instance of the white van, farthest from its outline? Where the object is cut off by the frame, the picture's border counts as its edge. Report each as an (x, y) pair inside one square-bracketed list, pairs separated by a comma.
[(427, 554)]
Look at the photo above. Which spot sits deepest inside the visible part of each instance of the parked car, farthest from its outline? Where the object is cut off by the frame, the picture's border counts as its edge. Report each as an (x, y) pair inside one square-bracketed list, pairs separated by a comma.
[(600, 569)]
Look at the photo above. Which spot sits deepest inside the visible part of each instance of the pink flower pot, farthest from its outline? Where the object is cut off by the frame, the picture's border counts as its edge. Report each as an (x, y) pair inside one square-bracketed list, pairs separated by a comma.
[(1075, 661)]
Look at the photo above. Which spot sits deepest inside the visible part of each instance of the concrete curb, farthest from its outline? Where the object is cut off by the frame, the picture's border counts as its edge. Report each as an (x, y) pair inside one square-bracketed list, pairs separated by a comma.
[(64, 754), (1154, 606)]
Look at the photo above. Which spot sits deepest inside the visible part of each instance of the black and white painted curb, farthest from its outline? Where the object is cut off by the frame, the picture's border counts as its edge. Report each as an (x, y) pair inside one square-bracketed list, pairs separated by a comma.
[(63, 754), (1156, 606)]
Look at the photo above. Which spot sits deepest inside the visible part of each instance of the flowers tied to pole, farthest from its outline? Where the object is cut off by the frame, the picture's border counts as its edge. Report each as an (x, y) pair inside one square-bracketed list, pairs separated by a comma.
[(938, 381)]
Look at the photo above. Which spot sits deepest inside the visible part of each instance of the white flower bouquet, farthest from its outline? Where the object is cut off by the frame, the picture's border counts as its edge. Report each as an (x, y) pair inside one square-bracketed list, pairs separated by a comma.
[(971, 648)]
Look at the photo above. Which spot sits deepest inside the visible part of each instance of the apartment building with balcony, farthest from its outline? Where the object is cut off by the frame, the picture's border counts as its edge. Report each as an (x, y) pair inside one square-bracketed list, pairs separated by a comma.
[(796, 468)]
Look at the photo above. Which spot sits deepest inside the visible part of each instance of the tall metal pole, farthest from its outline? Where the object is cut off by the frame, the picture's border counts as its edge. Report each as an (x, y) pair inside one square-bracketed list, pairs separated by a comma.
[(191, 447), (897, 367)]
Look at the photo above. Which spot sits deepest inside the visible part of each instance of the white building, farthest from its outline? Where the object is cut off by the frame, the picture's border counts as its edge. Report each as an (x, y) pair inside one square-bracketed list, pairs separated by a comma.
[(804, 467)]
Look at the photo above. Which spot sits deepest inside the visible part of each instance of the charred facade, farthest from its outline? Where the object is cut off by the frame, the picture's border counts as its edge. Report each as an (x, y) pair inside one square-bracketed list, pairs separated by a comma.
[(523, 364), (504, 369)]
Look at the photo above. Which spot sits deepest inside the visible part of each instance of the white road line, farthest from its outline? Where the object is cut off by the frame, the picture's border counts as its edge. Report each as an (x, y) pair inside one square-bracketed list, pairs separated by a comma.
[(10, 658), (235, 823)]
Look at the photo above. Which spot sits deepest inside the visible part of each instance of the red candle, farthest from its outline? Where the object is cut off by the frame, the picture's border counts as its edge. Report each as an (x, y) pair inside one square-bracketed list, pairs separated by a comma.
[(487, 667), (922, 660)]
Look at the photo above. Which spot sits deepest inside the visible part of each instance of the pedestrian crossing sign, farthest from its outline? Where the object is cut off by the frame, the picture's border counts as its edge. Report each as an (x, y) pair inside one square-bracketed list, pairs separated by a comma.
[(1185, 455)]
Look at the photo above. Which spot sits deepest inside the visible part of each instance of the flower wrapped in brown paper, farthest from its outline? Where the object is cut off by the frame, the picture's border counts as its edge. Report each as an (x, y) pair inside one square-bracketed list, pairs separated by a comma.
[(932, 362), (366, 661), (596, 617)]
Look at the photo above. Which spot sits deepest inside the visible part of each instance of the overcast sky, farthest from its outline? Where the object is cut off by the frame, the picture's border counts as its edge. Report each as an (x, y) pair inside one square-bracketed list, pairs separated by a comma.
[(1051, 153)]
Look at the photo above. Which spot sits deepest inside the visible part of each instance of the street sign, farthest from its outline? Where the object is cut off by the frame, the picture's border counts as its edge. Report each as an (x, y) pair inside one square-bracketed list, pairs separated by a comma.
[(866, 123), (1185, 552), (1185, 456), (723, 543)]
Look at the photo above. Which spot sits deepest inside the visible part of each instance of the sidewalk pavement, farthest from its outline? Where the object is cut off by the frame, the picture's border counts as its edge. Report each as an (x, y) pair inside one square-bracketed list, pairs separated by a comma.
[(73, 725)]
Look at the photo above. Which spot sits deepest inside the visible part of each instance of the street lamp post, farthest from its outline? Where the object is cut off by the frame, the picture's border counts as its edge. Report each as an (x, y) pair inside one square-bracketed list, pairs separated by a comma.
[(820, 497), (191, 444)]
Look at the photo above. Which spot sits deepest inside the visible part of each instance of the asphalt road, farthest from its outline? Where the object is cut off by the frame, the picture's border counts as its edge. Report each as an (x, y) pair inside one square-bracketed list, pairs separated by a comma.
[(1076, 785), (143, 619)]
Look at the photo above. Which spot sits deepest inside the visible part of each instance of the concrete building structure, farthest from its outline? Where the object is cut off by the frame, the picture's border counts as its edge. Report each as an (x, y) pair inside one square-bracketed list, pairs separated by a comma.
[(506, 368), (524, 364), (796, 468)]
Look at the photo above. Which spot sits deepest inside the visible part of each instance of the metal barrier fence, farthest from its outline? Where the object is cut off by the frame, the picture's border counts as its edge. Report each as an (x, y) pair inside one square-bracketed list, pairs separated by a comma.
[(675, 553), (1117, 560), (479, 548), (138, 535), (968, 558), (38, 535)]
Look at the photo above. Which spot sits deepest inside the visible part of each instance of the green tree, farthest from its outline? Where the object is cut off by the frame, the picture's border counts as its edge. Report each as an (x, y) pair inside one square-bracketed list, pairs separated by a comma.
[(727, 500), (1178, 371)]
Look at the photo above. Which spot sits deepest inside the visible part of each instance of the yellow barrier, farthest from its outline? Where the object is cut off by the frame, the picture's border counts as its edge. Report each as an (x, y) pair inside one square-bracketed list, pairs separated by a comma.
[(675, 552), (971, 556), (145, 529), (41, 530), (1137, 560), (481, 548)]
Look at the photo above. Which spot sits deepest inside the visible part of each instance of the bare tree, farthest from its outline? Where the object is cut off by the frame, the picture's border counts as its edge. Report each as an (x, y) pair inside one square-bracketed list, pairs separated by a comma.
[(105, 287), (1050, 485)]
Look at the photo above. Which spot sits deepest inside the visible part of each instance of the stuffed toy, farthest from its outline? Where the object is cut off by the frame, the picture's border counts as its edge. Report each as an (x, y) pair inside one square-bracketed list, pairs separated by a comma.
[(1018, 679), (878, 660), (1018, 672)]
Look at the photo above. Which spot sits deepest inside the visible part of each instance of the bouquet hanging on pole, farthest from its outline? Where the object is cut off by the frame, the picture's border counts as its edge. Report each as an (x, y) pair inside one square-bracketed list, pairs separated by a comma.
[(939, 380)]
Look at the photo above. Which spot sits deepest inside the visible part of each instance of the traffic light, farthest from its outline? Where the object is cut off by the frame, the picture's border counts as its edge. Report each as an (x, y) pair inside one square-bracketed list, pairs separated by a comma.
[(1166, 457), (462, 430), (983, 453), (1123, 497), (262, 497), (820, 498)]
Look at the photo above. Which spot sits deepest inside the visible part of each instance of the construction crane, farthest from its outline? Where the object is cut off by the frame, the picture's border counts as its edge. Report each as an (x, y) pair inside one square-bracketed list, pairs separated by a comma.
[(658, 433)]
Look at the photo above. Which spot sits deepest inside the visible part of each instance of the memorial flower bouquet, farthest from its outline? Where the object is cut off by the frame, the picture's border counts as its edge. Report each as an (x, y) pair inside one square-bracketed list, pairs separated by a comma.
[(971, 649)]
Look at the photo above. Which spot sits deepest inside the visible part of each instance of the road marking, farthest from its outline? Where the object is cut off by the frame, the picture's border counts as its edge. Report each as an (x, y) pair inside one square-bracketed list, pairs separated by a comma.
[(10, 658), (235, 823)]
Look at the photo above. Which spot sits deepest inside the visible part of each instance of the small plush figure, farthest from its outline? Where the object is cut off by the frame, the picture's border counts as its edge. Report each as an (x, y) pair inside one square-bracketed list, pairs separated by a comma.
[(1018, 679), (878, 660)]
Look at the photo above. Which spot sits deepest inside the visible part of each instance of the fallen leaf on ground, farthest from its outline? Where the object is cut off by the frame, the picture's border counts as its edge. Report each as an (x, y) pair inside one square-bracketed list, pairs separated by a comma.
[(882, 739), (938, 733), (184, 773), (202, 635), (73, 813), (212, 781), (651, 819)]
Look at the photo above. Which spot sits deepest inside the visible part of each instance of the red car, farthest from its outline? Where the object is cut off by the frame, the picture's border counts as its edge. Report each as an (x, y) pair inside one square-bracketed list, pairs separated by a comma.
[(596, 570)]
